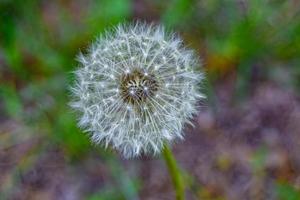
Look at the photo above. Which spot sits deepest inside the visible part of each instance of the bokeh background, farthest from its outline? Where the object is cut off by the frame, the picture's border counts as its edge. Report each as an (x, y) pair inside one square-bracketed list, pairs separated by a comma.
[(246, 140)]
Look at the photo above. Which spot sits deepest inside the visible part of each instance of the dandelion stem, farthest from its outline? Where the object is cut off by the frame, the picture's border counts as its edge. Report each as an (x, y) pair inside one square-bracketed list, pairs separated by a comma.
[(174, 172)]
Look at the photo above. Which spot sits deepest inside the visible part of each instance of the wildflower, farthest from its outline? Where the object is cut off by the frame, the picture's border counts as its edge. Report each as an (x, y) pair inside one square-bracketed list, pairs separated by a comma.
[(136, 88)]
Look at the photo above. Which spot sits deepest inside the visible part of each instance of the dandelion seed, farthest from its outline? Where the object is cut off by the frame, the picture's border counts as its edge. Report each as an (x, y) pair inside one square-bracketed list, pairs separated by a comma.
[(139, 92)]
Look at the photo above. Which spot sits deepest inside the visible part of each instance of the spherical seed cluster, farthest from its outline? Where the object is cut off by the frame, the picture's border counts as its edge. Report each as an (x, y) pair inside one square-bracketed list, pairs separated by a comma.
[(136, 88)]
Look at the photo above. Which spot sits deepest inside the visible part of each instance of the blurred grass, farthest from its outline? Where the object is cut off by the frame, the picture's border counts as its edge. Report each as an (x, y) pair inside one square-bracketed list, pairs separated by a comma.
[(39, 41), (287, 192)]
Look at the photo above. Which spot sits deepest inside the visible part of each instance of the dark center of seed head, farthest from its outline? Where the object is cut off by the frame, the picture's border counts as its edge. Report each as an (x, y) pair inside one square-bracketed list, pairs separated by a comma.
[(137, 86)]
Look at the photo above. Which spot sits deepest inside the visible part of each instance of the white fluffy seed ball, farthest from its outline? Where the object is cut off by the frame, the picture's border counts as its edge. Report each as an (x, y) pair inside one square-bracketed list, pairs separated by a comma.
[(136, 88)]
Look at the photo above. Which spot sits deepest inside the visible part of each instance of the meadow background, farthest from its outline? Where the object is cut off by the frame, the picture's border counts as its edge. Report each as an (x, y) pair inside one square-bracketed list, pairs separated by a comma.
[(246, 140)]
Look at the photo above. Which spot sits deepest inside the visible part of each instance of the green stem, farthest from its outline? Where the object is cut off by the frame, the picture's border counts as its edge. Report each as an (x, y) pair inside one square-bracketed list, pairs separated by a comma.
[(174, 172)]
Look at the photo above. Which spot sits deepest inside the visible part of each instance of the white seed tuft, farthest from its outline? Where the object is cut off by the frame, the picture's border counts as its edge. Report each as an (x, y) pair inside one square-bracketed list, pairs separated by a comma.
[(136, 88)]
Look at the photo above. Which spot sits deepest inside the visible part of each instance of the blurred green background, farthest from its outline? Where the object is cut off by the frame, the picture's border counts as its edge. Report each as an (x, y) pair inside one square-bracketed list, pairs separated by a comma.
[(246, 142)]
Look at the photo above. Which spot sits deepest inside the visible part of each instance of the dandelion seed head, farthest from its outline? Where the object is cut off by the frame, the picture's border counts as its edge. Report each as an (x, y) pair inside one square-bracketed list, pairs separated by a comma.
[(136, 88)]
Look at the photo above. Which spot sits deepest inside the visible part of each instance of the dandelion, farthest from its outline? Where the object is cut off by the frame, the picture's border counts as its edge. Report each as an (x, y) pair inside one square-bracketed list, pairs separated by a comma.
[(136, 88)]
